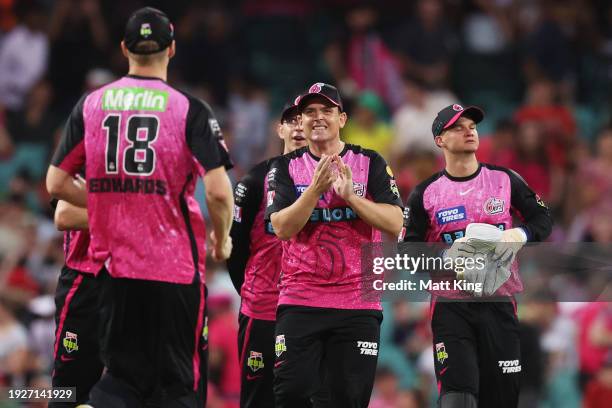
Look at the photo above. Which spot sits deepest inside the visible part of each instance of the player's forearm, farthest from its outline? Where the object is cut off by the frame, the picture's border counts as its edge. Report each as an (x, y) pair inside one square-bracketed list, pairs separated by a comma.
[(62, 186), (220, 210), (70, 217), (384, 217), (289, 221)]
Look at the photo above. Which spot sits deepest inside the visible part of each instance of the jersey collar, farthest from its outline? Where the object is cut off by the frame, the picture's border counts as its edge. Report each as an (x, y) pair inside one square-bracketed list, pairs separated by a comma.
[(466, 178)]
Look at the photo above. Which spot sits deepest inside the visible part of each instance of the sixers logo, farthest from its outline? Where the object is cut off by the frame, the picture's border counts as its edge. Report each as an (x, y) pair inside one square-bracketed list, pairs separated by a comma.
[(494, 206), (457, 107), (316, 88)]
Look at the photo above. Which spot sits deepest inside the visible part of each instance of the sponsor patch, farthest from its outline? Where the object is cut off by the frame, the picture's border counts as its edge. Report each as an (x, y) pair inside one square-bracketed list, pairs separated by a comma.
[(540, 202), (71, 342), (237, 213), (255, 361), (134, 98), (280, 347), (509, 366), (271, 195), (393, 186), (452, 214), (494, 206), (367, 348), (441, 354)]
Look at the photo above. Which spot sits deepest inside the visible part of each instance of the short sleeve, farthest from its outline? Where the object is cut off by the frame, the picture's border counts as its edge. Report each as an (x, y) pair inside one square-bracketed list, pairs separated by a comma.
[(382, 187), (281, 189), (204, 136), (70, 154)]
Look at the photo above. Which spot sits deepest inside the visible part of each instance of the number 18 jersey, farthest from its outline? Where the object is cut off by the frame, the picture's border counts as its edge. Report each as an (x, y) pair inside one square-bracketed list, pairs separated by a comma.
[(144, 144)]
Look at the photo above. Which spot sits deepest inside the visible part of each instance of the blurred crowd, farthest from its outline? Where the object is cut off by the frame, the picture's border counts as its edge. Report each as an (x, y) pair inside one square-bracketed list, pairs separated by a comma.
[(541, 70)]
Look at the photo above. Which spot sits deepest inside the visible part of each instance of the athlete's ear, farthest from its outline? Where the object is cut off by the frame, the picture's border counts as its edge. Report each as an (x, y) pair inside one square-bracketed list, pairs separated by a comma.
[(439, 141), (124, 49), (279, 131), (172, 49), (343, 119)]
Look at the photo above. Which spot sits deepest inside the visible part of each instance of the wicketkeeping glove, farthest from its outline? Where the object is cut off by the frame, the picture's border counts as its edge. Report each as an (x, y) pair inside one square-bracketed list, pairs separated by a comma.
[(510, 242)]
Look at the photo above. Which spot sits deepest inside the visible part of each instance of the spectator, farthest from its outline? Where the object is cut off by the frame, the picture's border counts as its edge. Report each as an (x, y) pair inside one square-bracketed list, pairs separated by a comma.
[(23, 57), (599, 391), (366, 127), (412, 121), (426, 43), (77, 27), (497, 148), (361, 61), (13, 350)]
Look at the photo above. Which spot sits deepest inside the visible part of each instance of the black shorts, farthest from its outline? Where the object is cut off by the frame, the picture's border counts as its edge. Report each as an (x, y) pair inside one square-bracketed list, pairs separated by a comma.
[(477, 350), (78, 328), (314, 343), (155, 343), (256, 352)]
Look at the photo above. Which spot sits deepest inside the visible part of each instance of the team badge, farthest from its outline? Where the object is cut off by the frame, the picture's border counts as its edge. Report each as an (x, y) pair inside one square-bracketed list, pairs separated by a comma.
[(316, 88), (457, 107), (359, 189), (280, 347), (255, 361), (70, 342), (205, 329), (145, 30), (494, 206), (441, 353)]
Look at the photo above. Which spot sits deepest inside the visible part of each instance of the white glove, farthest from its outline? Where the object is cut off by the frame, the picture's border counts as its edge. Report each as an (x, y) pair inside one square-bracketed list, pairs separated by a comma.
[(460, 248), (510, 242), (483, 238)]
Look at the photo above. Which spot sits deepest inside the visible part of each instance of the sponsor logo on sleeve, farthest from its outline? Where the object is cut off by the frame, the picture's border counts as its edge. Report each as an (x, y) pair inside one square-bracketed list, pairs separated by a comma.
[(393, 187), (367, 348), (441, 354), (237, 213), (453, 214), (270, 199), (509, 366), (214, 126), (540, 202), (494, 206)]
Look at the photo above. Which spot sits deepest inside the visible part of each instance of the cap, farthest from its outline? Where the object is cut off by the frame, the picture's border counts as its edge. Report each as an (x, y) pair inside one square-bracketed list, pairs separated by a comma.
[(148, 24), (449, 115), (327, 91), (289, 110)]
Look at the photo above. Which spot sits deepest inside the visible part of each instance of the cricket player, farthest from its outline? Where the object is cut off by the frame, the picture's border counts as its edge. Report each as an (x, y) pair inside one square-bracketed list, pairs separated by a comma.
[(327, 200), (255, 266), (143, 144), (476, 344), (77, 361)]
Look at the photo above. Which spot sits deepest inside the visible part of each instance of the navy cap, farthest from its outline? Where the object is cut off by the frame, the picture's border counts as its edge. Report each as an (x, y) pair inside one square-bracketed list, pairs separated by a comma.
[(148, 24), (319, 89), (289, 110), (449, 115)]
